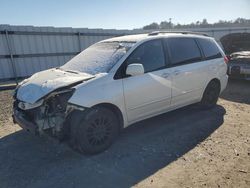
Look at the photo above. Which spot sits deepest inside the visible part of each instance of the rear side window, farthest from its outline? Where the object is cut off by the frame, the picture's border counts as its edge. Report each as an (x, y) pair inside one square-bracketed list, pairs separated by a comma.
[(150, 55), (210, 49), (183, 50)]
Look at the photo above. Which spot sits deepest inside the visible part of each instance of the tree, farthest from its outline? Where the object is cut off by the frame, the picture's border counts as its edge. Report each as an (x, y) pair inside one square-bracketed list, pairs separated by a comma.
[(204, 22), (165, 25), (239, 22), (151, 26)]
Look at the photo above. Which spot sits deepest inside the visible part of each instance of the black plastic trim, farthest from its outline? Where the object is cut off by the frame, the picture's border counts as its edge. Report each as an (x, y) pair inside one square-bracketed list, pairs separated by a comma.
[(20, 119)]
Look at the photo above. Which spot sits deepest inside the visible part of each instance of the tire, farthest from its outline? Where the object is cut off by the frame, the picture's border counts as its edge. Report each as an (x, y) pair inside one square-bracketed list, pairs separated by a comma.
[(94, 131), (210, 95)]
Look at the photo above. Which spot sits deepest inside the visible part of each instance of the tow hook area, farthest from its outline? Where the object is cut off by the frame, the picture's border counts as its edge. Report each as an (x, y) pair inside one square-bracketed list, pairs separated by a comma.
[(19, 119)]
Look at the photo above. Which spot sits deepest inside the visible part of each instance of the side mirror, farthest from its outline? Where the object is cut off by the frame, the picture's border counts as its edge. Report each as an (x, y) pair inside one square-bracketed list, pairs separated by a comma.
[(135, 69)]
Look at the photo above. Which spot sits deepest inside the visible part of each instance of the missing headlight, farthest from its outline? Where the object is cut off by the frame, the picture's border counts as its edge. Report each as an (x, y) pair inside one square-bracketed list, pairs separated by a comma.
[(27, 106)]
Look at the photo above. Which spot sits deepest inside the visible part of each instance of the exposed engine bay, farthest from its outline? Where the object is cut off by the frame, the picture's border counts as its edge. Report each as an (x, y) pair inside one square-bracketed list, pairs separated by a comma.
[(50, 113), (41, 101)]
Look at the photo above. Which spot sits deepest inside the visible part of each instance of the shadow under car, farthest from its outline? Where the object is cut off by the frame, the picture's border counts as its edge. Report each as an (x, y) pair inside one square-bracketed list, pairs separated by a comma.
[(141, 150)]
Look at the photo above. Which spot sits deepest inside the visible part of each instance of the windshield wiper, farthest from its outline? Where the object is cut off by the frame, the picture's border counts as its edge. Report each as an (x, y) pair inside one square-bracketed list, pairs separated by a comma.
[(118, 48)]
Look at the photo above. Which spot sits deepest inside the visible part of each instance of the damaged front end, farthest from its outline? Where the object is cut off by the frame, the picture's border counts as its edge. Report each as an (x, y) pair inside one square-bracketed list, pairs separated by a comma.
[(49, 114)]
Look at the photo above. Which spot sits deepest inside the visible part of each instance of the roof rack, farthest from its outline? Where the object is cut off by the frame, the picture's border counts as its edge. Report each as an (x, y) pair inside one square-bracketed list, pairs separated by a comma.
[(181, 32)]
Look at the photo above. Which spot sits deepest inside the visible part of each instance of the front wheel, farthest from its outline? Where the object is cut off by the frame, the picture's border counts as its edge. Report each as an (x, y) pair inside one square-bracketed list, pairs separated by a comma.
[(210, 95), (95, 131)]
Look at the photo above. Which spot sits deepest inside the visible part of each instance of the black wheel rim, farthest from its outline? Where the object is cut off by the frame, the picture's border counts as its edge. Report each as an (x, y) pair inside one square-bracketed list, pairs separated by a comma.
[(99, 131)]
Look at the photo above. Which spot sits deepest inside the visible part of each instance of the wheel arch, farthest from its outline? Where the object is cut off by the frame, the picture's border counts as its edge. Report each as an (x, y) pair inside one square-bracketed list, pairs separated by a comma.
[(216, 80), (212, 80), (115, 110)]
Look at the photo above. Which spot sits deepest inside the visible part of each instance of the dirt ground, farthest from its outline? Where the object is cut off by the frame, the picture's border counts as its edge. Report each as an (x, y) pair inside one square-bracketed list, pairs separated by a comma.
[(184, 148)]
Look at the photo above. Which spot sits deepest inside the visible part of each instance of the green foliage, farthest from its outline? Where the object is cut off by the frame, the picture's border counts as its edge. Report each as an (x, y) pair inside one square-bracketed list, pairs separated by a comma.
[(239, 22)]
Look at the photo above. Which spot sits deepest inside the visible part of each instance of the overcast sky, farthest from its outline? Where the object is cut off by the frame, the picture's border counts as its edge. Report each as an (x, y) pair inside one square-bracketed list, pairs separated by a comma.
[(118, 14)]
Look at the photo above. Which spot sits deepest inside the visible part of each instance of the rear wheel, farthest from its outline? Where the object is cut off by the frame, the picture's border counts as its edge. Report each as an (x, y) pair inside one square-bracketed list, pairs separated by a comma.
[(210, 95), (95, 131)]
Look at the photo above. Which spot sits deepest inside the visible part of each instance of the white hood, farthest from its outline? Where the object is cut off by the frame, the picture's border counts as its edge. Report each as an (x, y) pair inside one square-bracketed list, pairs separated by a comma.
[(43, 83)]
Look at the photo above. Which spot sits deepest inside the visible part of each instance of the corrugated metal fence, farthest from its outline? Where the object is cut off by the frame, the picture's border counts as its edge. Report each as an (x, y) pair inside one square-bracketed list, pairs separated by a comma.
[(25, 50)]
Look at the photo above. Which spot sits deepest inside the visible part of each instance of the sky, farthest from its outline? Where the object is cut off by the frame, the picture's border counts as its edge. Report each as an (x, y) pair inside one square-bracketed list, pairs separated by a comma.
[(118, 14)]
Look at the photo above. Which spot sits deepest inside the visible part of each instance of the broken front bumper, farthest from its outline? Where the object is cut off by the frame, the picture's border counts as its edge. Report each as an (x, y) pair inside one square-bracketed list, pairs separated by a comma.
[(21, 119)]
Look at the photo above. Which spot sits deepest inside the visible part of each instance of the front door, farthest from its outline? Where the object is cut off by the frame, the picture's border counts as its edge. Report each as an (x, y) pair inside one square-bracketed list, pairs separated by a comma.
[(150, 93)]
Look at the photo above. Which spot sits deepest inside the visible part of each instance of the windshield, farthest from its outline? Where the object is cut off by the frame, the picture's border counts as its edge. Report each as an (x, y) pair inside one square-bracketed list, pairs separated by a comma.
[(98, 58)]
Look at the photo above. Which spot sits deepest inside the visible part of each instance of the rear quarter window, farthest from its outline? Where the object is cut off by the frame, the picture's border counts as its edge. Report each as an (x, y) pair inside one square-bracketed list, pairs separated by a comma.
[(209, 48), (183, 50)]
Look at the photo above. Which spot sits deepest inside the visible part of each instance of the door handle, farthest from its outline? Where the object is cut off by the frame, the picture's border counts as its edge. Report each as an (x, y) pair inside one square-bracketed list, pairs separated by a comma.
[(165, 75), (177, 72)]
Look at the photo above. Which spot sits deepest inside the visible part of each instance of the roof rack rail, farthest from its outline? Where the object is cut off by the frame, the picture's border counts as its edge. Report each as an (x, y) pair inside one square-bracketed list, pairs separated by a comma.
[(181, 32)]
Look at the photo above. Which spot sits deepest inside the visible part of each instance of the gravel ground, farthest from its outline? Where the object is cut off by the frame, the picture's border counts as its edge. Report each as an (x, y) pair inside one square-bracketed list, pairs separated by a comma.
[(184, 148)]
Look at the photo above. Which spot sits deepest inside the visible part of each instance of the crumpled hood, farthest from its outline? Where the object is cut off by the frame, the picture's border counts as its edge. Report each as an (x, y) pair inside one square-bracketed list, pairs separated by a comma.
[(43, 83)]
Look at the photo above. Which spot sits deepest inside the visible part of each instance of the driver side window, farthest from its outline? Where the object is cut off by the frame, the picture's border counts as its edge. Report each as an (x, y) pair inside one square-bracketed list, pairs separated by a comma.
[(150, 55)]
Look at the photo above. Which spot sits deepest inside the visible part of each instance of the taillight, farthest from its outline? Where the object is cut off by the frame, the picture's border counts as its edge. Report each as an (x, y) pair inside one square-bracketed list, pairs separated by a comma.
[(226, 59)]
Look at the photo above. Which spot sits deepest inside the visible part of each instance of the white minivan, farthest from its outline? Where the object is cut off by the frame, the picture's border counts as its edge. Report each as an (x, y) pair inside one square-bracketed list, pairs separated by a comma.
[(117, 82)]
